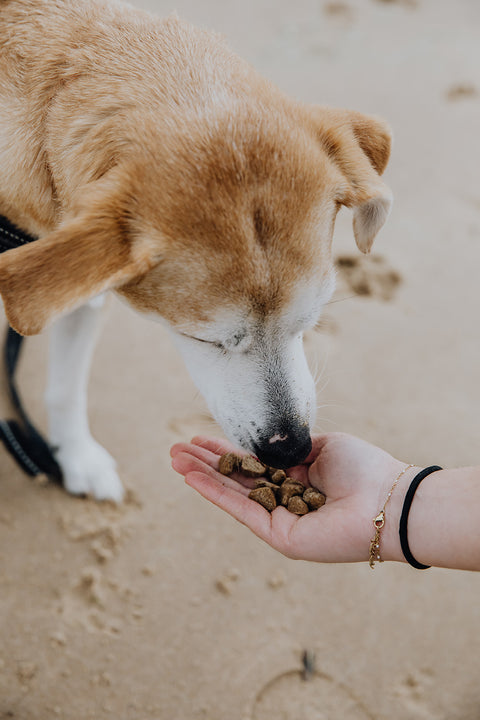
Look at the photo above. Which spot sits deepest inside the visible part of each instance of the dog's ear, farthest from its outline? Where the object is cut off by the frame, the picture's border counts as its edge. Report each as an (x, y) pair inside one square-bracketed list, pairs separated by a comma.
[(359, 145), (89, 253)]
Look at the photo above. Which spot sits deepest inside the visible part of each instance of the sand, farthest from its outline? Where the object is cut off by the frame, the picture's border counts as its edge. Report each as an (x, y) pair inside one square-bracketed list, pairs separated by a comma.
[(172, 611)]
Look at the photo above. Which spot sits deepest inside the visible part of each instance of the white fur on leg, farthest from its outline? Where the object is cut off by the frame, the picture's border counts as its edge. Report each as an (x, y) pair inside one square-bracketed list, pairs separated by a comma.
[(87, 467)]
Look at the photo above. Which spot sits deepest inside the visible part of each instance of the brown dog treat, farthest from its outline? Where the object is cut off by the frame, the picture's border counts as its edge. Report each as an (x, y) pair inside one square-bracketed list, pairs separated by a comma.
[(289, 490), (277, 476), (314, 498), (297, 505), (262, 482), (296, 484), (252, 468), (264, 496), (229, 463)]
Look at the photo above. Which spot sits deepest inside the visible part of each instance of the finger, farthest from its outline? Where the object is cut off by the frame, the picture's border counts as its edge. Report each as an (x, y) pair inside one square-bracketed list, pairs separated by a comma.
[(178, 447), (207, 449), (300, 473), (197, 451), (185, 463), (219, 446), (236, 504), (318, 443)]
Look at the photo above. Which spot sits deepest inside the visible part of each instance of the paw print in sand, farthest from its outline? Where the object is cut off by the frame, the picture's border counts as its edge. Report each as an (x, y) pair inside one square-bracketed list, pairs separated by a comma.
[(368, 276)]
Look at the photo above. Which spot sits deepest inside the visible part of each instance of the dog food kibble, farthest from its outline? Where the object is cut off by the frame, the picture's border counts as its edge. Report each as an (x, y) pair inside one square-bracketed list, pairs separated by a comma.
[(251, 467), (272, 486), (229, 463), (261, 482), (265, 496), (297, 505), (277, 476), (314, 498), (288, 490)]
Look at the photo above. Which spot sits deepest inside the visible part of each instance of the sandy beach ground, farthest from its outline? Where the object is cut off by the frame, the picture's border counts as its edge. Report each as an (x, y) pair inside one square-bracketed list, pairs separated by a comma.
[(165, 608)]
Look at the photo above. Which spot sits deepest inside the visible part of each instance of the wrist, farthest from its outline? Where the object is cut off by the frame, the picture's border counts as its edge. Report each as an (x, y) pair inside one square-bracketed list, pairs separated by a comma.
[(391, 548), (443, 521)]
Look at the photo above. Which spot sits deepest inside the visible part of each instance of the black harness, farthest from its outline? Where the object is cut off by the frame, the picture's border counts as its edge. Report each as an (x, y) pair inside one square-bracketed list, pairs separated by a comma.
[(27, 446)]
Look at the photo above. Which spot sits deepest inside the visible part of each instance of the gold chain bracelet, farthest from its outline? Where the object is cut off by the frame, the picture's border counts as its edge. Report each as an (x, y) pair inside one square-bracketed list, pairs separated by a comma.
[(379, 522)]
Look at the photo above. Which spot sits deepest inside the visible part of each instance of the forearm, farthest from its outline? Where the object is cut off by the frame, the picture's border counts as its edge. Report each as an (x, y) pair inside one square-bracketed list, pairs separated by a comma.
[(444, 520)]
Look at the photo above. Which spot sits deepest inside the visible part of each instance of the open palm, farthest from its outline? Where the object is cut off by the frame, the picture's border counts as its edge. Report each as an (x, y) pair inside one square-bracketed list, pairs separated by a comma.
[(354, 475)]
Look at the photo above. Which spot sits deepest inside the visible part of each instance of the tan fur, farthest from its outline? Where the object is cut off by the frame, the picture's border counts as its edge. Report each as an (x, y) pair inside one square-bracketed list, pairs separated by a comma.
[(152, 160)]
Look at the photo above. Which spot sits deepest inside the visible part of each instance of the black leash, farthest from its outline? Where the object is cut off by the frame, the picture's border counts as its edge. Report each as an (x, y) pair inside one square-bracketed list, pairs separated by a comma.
[(11, 236), (20, 437)]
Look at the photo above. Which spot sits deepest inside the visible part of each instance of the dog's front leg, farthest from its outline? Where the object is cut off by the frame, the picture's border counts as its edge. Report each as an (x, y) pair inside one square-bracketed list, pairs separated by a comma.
[(87, 467)]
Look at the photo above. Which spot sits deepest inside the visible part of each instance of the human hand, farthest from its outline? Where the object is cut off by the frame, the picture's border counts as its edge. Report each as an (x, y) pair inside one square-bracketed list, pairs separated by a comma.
[(354, 475)]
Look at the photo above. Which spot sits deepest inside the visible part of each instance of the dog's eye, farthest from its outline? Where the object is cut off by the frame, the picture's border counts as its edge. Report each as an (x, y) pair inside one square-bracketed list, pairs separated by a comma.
[(215, 344)]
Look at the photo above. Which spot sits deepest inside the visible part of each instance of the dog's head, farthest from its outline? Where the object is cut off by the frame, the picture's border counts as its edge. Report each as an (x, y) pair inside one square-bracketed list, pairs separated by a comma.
[(225, 235)]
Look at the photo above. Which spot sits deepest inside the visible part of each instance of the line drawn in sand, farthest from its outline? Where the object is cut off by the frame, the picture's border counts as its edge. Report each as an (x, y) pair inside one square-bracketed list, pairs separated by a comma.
[(307, 694)]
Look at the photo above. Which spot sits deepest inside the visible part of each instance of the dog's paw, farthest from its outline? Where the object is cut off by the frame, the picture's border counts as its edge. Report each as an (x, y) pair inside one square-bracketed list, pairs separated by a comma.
[(88, 469)]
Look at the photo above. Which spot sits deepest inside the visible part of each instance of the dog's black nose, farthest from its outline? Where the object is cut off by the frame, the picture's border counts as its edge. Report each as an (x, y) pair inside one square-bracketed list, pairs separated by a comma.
[(286, 448)]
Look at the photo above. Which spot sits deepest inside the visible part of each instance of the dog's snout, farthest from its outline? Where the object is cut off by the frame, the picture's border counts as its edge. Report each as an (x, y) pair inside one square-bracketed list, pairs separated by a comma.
[(285, 448)]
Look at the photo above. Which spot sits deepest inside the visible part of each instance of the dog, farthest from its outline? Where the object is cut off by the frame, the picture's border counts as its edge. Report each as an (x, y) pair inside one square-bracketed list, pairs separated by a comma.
[(152, 161)]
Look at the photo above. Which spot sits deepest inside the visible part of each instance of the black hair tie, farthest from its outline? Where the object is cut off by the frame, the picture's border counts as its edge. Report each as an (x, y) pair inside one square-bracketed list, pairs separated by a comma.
[(404, 516)]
